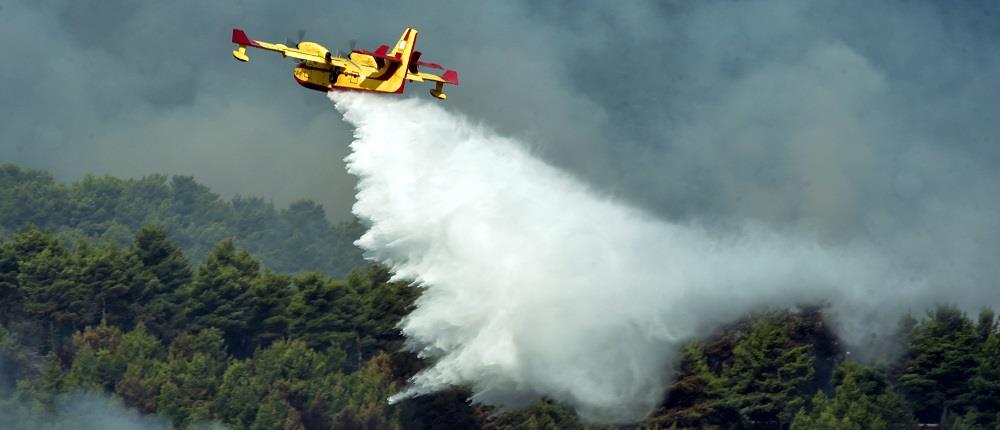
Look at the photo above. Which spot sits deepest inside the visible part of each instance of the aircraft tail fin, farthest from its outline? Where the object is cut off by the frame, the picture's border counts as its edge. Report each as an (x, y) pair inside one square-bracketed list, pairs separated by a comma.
[(403, 49), (402, 52)]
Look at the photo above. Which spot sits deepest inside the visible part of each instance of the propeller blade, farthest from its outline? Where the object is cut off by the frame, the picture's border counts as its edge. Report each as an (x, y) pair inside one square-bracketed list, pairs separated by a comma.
[(291, 43), (353, 43)]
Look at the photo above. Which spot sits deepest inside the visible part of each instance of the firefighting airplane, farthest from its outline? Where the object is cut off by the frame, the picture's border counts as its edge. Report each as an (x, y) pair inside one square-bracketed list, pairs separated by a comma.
[(381, 71)]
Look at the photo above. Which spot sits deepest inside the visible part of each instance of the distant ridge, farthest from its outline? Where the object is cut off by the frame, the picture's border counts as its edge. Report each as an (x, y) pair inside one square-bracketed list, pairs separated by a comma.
[(298, 238)]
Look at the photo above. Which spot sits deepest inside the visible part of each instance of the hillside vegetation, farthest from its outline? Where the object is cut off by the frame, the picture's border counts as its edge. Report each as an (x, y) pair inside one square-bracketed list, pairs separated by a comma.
[(295, 239), (230, 340)]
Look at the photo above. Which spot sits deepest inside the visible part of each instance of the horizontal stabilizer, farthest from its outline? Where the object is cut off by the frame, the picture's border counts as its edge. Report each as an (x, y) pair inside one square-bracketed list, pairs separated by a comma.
[(379, 53), (449, 77), (240, 38), (430, 65)]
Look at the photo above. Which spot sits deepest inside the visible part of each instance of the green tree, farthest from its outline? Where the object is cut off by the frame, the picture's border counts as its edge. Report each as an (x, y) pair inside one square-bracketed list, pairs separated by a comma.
[(102, 286), (695, 398), (382, 305), (15, 362), (541, 415), (275, 413), (940, 363), (986, 325), (11, 297), (161, 257), (93, 365), (322, 313), (29, 197), (163, 272), (766, 379), (86, 371), (268, 298), (190, 378), (135, 361), (864, 400), (137, 387), (49, 384), (983, 396), (359, 397), (240, 394), (218, 296), (46, 282)]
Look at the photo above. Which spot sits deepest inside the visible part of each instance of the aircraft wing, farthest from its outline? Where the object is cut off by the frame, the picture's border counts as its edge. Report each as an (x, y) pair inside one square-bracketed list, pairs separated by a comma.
[(449, 77), (240, 38)]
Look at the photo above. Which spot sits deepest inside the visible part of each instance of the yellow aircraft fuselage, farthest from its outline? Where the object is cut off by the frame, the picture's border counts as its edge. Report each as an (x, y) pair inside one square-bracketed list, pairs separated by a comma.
[(381, 71)]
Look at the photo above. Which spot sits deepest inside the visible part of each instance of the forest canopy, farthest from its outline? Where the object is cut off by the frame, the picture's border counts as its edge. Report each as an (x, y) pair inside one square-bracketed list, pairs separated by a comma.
[(298, 238), (154, 299)]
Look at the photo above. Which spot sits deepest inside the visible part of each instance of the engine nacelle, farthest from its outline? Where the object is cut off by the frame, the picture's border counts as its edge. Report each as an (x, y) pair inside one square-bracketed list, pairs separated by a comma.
[(313, 48)]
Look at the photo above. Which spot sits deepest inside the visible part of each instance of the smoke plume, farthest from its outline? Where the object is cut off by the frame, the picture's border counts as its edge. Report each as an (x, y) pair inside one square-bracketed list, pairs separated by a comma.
[(536, 285), (83, 411)]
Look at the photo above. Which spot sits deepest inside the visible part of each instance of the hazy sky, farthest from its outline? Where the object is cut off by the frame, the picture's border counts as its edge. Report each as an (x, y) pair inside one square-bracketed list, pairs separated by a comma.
[(868, 123), (872, 121)]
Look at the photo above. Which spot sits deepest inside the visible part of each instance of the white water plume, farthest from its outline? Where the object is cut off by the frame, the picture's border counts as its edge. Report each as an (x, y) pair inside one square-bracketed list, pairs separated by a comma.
[(538, 286)]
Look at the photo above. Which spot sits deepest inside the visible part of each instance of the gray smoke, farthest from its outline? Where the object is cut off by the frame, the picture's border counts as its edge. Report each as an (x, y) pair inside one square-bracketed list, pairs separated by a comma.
[(82, 411), (841, 122)]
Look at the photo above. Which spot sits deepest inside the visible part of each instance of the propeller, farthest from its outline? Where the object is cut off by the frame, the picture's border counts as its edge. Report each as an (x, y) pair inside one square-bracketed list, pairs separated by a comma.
[(352, 45), (302, 36), (347, 55)]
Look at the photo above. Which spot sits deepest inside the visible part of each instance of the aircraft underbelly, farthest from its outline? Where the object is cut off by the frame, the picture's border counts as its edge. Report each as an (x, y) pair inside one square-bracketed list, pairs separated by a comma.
[(326, 80), (311, 78)]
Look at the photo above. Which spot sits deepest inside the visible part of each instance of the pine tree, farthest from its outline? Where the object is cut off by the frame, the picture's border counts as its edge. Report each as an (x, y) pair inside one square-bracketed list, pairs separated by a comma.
[(863, 400), (275, 413), (941, 361), (94, 364), (102, 286), (541, 415), (322, 313), (135, 362), (240, 394), (163, 271), (983, 397), (268, 298), (218, 296), (695, 398), (986, 325), (382, 305), (50, 384), (46, 282), (11, 297), (190, 378), (85, 373), (766, 379), (162, 258), (136, 388)]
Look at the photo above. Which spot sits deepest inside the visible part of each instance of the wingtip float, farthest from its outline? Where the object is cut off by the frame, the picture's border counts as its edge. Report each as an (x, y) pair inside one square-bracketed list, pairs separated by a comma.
[(386, 70)]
